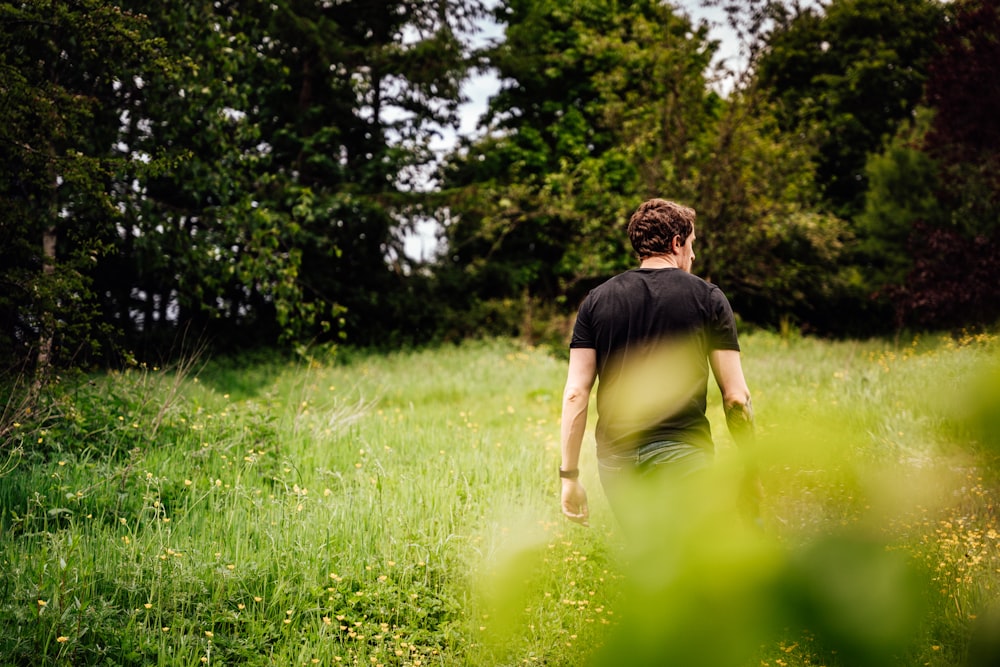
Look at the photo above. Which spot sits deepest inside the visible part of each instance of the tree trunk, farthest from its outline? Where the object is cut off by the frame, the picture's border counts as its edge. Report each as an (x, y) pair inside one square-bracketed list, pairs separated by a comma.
[(46, 329)]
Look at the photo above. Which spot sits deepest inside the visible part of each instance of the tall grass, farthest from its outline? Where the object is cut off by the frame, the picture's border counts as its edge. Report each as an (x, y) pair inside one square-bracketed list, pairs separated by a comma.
[(402, 509)]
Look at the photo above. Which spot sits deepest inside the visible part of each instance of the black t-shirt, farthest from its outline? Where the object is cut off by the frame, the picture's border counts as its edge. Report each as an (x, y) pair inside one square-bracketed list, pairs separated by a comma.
[(652, 330)]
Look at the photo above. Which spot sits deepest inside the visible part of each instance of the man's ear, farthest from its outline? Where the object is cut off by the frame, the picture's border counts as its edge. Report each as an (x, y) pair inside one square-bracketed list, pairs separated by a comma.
[(676, 244)]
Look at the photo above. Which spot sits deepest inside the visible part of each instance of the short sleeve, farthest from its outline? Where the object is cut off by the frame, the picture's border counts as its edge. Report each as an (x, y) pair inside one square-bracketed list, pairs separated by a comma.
[(583, 333), (723, 326)]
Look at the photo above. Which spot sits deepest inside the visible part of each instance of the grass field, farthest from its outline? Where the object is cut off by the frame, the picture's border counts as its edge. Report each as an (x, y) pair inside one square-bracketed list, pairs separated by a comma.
[(402, 509)]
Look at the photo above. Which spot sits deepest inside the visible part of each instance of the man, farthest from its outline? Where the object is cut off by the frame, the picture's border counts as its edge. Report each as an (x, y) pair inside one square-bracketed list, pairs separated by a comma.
[(650, 335)]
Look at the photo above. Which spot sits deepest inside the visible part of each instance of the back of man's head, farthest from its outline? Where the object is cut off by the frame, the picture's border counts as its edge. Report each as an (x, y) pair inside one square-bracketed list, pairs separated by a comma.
[(655, 224)]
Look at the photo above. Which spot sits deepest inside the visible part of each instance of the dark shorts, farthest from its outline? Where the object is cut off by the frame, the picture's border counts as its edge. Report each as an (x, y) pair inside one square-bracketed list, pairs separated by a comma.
[(667, 459)]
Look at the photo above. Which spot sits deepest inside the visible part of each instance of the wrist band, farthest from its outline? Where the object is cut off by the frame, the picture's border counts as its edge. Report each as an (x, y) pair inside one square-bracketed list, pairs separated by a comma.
[(569, 474)]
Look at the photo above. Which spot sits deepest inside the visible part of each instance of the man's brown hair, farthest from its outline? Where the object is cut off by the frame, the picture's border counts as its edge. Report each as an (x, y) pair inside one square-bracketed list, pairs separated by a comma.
[(655, 224)]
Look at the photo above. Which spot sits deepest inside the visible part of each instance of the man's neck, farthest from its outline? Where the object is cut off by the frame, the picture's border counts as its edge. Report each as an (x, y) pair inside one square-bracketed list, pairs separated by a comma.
[(658, 262)]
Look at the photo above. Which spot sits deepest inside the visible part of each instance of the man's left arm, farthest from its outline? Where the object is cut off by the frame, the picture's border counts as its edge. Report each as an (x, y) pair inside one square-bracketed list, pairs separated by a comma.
[(728, 371)]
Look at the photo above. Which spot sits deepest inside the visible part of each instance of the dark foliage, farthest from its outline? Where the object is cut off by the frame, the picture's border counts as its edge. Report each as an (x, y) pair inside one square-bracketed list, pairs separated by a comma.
[(964, 88), (953, 282), (956, 262)]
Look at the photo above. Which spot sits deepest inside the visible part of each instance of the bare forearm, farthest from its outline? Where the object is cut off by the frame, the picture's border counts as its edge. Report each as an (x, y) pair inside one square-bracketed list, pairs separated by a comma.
[(735, 394), (574, 425), (576, 399), (739, 419)]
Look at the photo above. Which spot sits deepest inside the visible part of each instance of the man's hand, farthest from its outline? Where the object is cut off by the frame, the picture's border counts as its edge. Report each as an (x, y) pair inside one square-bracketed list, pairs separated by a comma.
[(739, 419), (574, 502)]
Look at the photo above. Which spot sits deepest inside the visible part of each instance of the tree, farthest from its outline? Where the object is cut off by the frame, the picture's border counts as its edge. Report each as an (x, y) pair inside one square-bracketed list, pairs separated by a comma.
[(599, 104), (295, 130), (765, 239), (370, 82), (954, 241), (846, 77), (196, 251), (609, 105), (59, 64), (245, 168), (961, 85), (903, 191)]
